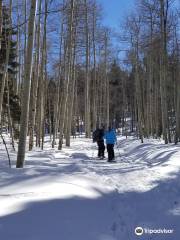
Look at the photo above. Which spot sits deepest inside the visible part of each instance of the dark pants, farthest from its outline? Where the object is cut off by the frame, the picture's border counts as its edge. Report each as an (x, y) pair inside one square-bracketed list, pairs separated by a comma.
[(110, 150), (101, 148)]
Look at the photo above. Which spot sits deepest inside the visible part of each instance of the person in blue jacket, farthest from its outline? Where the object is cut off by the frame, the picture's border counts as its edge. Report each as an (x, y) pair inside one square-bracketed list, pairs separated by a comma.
[(111, 139)]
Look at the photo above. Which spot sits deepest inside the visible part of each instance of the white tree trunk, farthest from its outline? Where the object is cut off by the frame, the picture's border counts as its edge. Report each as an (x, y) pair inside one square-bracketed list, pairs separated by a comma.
[(68, 62), (27, 86), (87, 76), (34, 85)]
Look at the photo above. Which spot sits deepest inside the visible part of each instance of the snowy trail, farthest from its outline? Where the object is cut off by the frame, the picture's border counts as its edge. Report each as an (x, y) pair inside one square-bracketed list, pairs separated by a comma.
[(69, 195)]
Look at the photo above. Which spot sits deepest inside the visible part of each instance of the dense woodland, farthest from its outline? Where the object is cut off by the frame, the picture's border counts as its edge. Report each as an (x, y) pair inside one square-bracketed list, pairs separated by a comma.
[(60, 73)]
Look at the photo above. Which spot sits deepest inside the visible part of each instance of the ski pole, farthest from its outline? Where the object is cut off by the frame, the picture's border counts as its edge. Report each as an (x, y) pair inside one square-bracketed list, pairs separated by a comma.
[(118, 150)]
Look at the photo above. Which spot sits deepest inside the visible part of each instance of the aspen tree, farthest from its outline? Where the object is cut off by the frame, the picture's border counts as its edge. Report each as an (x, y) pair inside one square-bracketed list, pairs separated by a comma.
[(43, 79), (163, 66), (87, 75), (67, 62), (71, 99), (177, 93), (57, 103), (9, 115), (26, 88), (94, 110), (35, 82), (106, 101)]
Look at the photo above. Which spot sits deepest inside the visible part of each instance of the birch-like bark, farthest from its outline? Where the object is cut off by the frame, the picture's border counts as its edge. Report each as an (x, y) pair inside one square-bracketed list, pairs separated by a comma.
[(138, 88), (163, 68), (26, 88), (9, 115), (41, 89), (44, 59), (25, 27), (67, 74), (107, 82), (94, 109), (71, 100), (177, 95), (87, 76), (150, 106), (35, 82), (57, 103)]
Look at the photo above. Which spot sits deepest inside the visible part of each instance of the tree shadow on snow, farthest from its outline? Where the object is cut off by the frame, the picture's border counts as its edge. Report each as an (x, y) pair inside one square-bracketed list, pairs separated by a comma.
[(111, 216), (15, 176)]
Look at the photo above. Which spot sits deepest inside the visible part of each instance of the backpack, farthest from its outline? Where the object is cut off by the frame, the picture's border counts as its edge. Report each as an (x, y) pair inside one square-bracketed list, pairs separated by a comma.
[(98, 135), (95, 135)]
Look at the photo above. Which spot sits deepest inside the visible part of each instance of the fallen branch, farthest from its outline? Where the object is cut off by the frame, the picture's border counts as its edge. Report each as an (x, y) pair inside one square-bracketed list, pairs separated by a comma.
[(9, 160)]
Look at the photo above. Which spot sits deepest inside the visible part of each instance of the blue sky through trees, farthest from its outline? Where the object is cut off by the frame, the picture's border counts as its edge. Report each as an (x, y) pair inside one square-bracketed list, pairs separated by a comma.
[(115, 10), (114, 15)]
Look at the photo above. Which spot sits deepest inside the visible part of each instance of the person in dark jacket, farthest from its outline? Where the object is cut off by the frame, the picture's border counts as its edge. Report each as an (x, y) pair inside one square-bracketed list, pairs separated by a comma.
[(111, 139), (98, 136)]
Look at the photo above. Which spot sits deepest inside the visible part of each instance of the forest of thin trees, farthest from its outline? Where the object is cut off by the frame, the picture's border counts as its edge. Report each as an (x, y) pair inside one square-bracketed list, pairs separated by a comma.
[(60, 74)]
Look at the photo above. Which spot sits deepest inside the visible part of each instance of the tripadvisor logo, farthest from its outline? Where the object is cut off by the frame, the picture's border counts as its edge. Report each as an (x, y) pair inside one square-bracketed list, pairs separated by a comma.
[(139, 231)]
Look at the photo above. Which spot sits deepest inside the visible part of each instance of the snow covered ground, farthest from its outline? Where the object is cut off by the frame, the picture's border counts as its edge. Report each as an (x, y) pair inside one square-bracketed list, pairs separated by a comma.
[(70, 195)]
